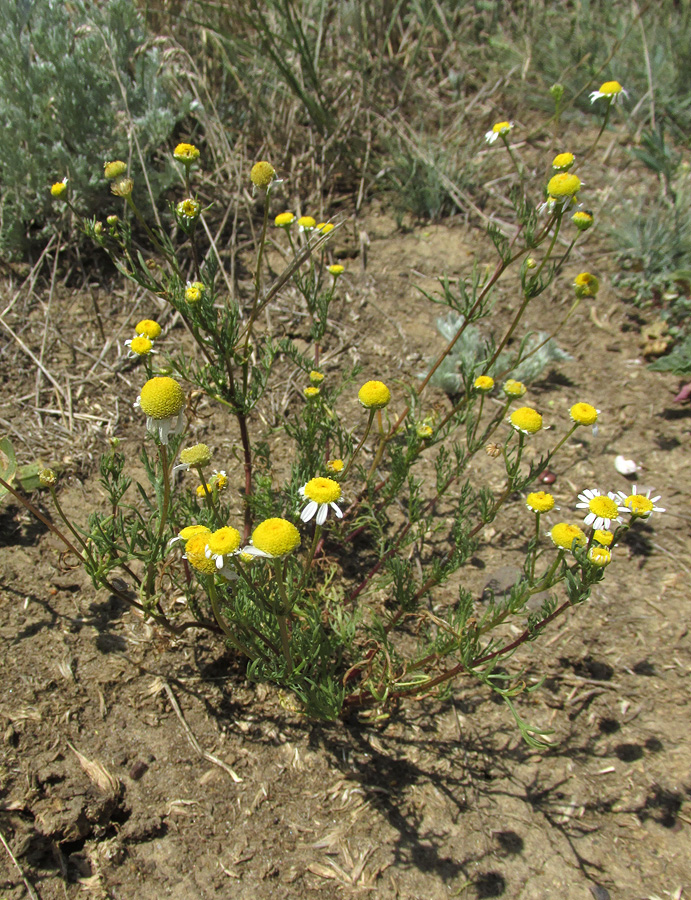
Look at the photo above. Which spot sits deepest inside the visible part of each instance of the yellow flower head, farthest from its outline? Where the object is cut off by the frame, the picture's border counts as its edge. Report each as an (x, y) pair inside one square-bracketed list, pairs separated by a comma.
[(604, 537), (194, 291), (197, 455), (374, 395), (483, 383), (563, 535), (307, 223), (335, 465), (582, 219), (539, 502), (513, 388), (112, 220), (527, 420), (322, 490), (59, 189), (316, 377), (499, 129), (191, 531), (186, 153), (122, 187), (195, 552), (562, 162), (161, 398), (600, 556), (563, 186), (586, 285), (424, 431), (224, 541), (584, 414), (325, 227), (311, 392), (141, 345), (283, 220), (274, 538), (114, 169), (262, 174), (189, 208), (148, 327), (336, 269), (611, 91)]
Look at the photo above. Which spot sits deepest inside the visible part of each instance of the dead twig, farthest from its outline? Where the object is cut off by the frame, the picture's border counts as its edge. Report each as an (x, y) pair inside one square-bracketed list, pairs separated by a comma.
[(31, 890)]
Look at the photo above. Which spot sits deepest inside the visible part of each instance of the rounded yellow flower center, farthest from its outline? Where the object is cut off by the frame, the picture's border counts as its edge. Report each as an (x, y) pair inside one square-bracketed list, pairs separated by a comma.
[(197, 455), (201, 492), (483, 383), (283, 219), (586, 285), (610, 88), (501, 127), (189, 208), (307, 222), (58, 189), (514, 388), (540, 501), (141, 345), (639, 504), (583, 414), (603, 507), (582, 220), (193, 294), (599, 556), (47, 478), (424, 431), (563, 185), (316, 377), (186, 153), (162, 397), (374, 395), (603, 537), (148, 327), (563, 535), (323, 490), (262, 174), (224, 540), (336, 270), (192, 530), (526, 419), (311, 392), (325, 227), (563, 161), (195, 551), (276, 537), (122, 187), (114, 169), (335, 465)]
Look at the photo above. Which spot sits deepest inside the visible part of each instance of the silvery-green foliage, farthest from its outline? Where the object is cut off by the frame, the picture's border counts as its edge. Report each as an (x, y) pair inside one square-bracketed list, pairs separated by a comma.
[(63, 110)]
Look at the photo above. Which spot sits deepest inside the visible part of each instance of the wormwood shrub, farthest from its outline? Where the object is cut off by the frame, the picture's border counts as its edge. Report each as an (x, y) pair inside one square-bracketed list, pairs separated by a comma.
[(76, 80), (268, 563)]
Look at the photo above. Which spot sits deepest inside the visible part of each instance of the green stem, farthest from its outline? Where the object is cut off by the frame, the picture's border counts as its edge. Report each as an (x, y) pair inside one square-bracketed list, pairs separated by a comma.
[(218, 615), (279, 569), (359, 446)]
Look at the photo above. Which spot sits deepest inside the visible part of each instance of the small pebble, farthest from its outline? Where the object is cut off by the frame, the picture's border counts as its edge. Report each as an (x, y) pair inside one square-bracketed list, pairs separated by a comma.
[(137, 770)]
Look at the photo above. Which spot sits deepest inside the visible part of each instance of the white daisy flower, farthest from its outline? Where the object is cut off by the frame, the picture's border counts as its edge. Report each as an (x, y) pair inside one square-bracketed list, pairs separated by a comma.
[(321, 493), (640, 505), (611, 91), (497, 130), (603, 509), (222, 545)]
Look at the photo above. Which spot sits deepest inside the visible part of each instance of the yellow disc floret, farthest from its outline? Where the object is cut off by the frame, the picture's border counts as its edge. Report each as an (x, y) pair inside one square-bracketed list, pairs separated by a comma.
[(192, 530), (599, 556), (186, 153), (262, 174), (307, 222), (424, 431), (114, 169), (539, 502), (603, 507), (562, 162), (582, 219), (162, 397), (374, 395), (316, 377), (336, 269), (513, 388), (149, 328), (276, 537), (335, 465), (224, 541), (563, 186), (323, 490), (195, 551), (141, 345), (583, 414), (527, 420), (501, 127), (604, 537), (610, 88), (563, 535), (586, 285), (197, 455), (483, 383), (283, 220), (311, 392), (639, 504), (58, 189)]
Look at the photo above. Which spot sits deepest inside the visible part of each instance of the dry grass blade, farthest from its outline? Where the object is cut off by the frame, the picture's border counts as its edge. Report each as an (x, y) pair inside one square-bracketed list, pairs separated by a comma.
[(29, 887), (97, 773)]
